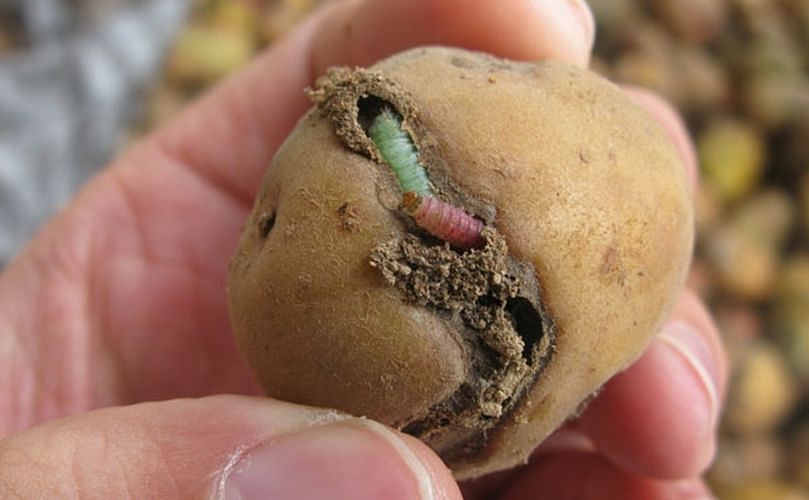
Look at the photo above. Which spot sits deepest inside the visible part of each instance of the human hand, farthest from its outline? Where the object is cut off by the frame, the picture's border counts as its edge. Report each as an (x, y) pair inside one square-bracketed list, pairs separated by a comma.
[(121, 299)]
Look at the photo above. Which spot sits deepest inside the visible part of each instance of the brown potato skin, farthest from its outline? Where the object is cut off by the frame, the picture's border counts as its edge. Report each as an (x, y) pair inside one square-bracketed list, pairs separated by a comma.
[(587, 189)]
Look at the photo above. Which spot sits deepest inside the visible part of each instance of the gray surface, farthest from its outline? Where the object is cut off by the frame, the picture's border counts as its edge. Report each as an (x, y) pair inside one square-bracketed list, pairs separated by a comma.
[(66, 100)]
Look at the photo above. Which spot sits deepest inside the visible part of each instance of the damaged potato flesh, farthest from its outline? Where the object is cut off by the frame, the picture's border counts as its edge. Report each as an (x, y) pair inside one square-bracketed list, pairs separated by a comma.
[(340, 298), (492, 302)]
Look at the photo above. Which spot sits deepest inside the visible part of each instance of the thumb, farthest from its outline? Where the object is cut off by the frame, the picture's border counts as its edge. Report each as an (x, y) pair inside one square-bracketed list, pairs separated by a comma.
[(219, 447)]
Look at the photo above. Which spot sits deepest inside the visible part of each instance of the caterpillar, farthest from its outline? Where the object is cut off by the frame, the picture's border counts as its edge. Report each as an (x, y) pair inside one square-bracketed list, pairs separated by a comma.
[(398, 150), (443, 220)]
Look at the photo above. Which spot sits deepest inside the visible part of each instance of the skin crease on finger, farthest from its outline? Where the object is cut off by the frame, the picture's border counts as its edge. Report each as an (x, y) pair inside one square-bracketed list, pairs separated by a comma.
[(185, 140)]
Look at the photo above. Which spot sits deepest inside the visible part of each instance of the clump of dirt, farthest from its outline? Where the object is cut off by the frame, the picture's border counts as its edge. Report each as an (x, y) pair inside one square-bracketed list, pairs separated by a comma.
[(472, 286), (493, 302), (343, 96)]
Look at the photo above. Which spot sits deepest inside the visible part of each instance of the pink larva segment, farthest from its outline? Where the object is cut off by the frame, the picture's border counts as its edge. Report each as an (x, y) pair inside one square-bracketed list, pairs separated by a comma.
[(444, 221)]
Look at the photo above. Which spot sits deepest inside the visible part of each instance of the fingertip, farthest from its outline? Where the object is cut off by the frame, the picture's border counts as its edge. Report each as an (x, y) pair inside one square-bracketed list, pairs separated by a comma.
[(435, 473), (691, 309), (673, 124), (588, 476), (582, 15), (350, 459), (658, 418), (650, 426), (362, 32)]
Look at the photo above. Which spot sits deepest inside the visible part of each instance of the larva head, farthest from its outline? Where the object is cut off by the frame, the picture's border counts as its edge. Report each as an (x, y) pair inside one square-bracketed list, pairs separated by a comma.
[(339, 299), (411, 202)]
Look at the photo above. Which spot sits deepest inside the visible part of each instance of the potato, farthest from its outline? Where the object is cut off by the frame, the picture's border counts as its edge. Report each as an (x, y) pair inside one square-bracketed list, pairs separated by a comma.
[(340, 299)]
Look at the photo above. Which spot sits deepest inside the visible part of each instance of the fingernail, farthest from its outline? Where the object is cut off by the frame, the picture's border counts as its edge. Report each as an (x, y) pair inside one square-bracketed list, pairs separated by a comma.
[(352, 459), (693, 348), (583, 15)]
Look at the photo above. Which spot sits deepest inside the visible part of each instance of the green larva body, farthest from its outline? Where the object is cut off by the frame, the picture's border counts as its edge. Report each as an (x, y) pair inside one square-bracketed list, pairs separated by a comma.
[(398, 151)]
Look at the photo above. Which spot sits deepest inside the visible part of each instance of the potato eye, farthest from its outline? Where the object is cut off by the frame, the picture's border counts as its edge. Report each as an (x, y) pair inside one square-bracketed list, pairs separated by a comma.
[(265, 224)]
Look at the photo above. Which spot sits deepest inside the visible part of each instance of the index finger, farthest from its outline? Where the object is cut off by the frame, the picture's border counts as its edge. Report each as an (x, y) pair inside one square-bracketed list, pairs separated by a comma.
[(230, 135)]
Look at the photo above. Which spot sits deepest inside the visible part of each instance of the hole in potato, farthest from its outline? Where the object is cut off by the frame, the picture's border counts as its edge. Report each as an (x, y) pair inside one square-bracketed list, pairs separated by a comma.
[(265, 224), (370, 107), (527, 323)]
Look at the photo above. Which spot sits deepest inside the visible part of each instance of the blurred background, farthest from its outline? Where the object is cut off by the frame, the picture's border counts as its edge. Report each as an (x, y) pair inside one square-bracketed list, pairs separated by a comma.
[(79, 79)]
